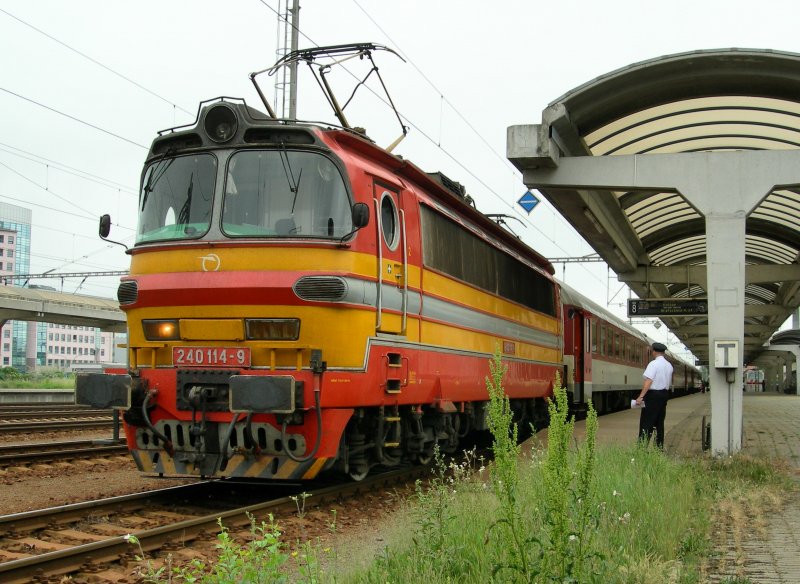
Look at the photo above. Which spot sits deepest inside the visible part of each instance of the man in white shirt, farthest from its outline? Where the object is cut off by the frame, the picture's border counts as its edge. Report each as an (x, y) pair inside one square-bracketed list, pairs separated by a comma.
[(654, 395)]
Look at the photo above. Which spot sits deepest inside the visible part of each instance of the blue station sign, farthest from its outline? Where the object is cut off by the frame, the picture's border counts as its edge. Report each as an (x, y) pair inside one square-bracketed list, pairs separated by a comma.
[(528, 201)]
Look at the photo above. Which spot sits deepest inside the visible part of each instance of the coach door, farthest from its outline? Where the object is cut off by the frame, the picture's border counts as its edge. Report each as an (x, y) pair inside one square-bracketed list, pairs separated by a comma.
[(392, 297), (581, 346)]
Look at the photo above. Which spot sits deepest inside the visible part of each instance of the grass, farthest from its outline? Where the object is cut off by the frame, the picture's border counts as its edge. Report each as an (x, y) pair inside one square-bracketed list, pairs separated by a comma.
[(571, 513), (34, 383), (10, 378)]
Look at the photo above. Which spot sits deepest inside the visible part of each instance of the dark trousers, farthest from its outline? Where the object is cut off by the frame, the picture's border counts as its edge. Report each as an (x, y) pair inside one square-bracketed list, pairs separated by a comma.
[(653, 414)]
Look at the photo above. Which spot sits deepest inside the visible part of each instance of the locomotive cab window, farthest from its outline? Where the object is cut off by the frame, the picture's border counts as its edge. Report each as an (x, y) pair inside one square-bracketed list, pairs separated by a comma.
[(389, 221), (280, 193), (176, 197)]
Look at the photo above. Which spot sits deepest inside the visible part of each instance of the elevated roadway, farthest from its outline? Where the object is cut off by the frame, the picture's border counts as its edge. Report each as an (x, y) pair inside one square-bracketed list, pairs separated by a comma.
[(36, 304)]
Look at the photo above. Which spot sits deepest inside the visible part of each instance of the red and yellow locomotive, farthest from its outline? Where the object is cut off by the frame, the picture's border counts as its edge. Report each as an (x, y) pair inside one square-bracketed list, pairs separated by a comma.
[(299, 300)]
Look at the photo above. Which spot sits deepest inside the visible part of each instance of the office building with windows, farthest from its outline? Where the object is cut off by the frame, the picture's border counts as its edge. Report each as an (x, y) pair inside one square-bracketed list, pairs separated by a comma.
[(28, 345)]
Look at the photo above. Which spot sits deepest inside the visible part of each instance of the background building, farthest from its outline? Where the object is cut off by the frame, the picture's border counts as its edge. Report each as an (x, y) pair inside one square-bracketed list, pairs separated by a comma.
[(28, 345)]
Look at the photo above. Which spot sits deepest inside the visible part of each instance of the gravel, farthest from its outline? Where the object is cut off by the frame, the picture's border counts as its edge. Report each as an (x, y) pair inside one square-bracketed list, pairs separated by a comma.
[(360, 523)]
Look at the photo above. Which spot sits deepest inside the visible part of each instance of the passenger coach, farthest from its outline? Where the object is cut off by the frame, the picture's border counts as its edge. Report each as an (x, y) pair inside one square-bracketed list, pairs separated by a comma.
[(605, 357)]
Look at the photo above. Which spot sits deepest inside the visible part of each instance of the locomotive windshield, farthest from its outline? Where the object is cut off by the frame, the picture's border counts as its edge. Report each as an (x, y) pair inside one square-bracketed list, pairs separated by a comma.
[(176, 197), (284, 193)]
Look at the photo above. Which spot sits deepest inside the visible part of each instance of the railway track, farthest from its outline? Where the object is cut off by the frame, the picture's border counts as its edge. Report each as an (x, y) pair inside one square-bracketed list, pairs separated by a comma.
[(9, 427), (43, 452), (32, 418), (27, 413), (90, 537)]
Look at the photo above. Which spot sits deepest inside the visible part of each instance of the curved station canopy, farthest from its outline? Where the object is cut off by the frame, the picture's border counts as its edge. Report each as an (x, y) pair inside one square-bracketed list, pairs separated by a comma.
[(683, 173), (655, 240)]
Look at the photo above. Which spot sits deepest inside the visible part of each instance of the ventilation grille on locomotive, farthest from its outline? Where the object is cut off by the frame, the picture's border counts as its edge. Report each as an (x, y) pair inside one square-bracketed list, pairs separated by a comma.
[(321, 288), (128, 292)]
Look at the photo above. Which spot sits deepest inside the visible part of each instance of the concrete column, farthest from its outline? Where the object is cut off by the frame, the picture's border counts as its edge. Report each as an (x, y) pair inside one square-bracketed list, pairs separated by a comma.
[(769, 385), (782, 373), (791, 377), (726, 281), (30, 346)]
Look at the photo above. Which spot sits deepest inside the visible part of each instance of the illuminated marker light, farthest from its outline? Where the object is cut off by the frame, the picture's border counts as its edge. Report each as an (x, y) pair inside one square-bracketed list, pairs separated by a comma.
[(273, 329), (161, 330)]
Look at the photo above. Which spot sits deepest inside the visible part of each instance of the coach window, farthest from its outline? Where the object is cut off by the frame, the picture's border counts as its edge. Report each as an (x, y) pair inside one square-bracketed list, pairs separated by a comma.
[(616, 345), (602, 339), (594, 336), (587, 335)]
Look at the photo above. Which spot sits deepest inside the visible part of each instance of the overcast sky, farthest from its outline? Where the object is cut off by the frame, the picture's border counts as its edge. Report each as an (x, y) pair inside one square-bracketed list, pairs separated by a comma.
[(84, 86)]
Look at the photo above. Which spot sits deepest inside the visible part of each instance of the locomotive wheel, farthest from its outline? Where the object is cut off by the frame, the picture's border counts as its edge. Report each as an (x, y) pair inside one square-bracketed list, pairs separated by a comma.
[(425, 458), (359, 471)]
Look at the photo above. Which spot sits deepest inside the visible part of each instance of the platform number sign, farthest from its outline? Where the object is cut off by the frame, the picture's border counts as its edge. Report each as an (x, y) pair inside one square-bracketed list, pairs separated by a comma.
[(528, 201)]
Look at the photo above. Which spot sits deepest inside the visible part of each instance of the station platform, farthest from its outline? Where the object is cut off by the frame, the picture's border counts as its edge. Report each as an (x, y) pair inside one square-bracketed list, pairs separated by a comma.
[(771, 430), (771, 426)]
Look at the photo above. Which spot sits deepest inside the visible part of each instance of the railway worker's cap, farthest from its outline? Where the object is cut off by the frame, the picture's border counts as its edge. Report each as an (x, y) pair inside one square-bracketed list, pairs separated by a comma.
[(659, 347)]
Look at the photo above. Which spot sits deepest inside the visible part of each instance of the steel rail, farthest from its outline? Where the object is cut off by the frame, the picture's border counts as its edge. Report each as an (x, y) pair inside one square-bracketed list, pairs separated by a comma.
[(11, 427), (74, 558), (22, 453), (54, 413)]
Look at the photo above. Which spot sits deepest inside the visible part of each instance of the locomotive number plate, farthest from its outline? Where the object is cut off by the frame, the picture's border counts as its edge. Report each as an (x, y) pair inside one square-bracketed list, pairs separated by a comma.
[(211, 356)]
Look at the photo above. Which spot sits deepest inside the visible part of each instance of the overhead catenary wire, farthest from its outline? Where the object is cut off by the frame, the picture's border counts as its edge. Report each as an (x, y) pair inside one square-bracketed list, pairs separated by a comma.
[(29, 203), (463, 118), (423, 133), (96, 62), (45, 188), (61, 167), (66, 115), (433, 141)]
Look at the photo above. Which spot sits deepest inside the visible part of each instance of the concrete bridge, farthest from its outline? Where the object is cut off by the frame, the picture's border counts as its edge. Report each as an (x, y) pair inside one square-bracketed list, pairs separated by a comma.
[(36, 304)]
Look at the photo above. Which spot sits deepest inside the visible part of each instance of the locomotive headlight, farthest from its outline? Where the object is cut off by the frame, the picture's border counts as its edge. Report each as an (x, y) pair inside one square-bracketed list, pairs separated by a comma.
[(161, 330), (221, 123), (273, 329)]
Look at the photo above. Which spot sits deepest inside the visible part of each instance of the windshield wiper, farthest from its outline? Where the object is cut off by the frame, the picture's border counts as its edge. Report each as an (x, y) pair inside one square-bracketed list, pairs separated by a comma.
[(294, 186), (287, 169), (159, 168), (183, 216)]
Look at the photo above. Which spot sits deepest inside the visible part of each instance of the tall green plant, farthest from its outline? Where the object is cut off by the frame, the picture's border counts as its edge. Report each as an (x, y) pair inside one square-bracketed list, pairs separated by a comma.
[(569, 493), (570, 512), (504, 471), (433, 539)]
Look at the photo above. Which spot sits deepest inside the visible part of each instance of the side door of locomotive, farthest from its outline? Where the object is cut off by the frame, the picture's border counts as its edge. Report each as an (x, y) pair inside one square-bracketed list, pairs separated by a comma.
[(392, 258)]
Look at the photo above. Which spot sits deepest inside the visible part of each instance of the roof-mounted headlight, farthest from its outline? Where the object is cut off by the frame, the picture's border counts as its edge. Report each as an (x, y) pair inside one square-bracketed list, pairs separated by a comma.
[(221, 123)]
